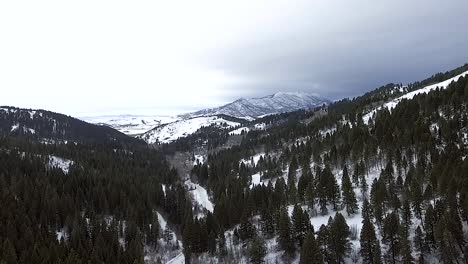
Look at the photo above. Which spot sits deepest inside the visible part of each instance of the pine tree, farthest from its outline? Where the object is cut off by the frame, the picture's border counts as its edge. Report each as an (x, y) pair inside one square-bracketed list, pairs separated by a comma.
[(323, 235), (301, 224), (310, 251), (257, 250), (429, 225), (285, 233), (267, 223), (406, 250), (370, 246), (338, 240), (8, 252), (349, 197), (246, 230), (391, 229), (420, 244)]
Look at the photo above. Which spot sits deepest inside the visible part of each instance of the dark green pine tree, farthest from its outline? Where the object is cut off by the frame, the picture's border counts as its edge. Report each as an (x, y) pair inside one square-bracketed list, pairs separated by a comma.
[(285, 240), (338, 238), (310, 251), (301, 224), (322, 239), (292, 190), (406, 250), (407, 215), (420, 244), (8, 252), (246, 229), (267, 224), (391, 236), (429, 226), (370, 246), (349, 197), (257, 250)]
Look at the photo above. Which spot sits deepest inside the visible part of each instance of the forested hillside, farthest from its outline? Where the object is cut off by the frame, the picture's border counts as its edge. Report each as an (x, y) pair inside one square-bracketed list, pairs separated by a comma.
[(337, 189), (92, 200), (352, 182)]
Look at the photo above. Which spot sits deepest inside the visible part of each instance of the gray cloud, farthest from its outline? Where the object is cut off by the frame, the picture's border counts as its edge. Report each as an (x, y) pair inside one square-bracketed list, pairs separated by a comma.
[(349, 48), (160, 56)]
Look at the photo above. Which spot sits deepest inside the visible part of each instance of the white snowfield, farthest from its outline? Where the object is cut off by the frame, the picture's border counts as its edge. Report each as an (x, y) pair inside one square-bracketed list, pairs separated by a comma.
[(179, 259), (182, 128), (200, 195), (131, 124), (61, 163), (393, 103), (239, 131)]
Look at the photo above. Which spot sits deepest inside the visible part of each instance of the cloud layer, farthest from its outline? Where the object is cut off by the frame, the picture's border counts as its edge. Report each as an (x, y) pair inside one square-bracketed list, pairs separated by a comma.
[(94, 57)]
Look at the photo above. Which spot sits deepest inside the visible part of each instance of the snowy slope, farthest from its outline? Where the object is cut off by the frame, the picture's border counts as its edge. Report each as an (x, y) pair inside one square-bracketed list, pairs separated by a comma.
[(182, 128), (200, 195), (393, 103), (130, 124), (61, 163), (252, 108)]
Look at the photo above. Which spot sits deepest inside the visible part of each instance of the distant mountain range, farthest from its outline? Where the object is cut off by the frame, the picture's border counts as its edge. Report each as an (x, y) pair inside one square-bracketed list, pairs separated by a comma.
[(251, 108), (166, 128)]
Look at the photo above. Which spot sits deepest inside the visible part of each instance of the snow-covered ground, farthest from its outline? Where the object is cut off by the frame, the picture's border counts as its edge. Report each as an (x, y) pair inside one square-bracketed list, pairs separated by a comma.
[(252, 161), (256, 180), (200, 195), (131, 124), (239, 131), (167, 251), (61, 163), (393, 103), (182, 128), (199, 159)]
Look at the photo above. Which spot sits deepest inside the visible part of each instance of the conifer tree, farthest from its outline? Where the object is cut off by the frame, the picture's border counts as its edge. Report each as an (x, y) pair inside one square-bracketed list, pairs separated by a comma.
[(338, 240), (246, 229), (349, 197), (420, 244), (257, 250), (391, 229), (301, 224), (370, 246), (285, 233), (267, 224), (310, 251)]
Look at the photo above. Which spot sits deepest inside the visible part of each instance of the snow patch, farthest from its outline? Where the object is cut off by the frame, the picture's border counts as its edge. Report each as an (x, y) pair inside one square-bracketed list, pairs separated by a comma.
[(200, 195), (239, 131), (61, 163)]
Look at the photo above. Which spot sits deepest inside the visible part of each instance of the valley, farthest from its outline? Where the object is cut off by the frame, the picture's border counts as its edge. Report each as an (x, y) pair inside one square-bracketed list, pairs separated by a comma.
[(373, 179)]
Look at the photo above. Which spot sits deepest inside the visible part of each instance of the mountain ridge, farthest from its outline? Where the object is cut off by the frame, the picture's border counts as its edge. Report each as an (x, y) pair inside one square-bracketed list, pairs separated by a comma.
[(252, 108)]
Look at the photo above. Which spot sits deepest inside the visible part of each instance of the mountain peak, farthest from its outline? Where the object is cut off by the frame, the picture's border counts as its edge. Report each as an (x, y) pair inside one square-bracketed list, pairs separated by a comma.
[(279, 102)]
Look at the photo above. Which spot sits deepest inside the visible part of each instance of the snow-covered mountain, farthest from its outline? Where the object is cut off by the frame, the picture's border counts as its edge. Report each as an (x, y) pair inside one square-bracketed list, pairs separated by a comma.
[(251, 108), (172, 131), (130, 124)]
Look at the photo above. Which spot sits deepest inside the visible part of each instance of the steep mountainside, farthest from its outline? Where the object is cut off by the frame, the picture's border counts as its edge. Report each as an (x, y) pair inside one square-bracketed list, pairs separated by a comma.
[(256, 107)]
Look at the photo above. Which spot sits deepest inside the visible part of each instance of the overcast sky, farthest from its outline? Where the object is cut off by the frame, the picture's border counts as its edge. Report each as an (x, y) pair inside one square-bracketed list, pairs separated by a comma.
[(163, 57)]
